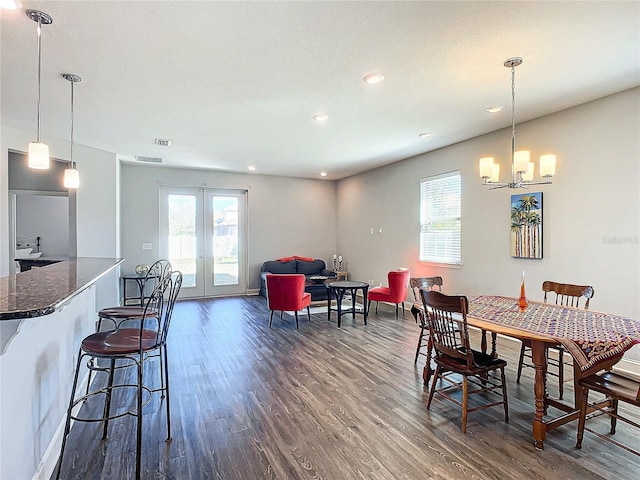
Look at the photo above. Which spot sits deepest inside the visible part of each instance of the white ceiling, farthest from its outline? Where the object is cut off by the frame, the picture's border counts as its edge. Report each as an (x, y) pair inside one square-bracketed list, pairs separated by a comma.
[(234, 84)]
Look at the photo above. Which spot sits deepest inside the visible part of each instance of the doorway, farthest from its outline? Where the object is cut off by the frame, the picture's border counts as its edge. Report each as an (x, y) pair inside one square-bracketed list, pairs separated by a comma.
[(203, 234)]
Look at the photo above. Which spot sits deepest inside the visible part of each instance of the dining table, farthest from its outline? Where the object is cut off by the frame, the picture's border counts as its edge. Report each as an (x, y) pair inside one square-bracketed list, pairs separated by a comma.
[(595, 340)]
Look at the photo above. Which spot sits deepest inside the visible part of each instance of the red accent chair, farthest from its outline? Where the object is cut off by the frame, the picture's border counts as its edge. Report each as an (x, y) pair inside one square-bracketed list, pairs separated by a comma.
[(396, 292), (285, 292)]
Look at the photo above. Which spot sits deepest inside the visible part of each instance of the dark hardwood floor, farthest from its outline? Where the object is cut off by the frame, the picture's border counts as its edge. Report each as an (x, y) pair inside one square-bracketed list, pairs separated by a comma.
[(249, 402)]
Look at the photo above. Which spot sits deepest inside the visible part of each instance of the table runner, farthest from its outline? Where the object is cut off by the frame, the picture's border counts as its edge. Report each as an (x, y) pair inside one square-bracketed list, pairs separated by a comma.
[(590, 337)]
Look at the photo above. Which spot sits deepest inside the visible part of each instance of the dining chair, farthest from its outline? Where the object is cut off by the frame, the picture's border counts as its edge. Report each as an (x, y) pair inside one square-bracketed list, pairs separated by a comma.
[(135, 346), (568, 295), (417, 309), (285, 292), (395, 293), (616, 388), (448, 330)]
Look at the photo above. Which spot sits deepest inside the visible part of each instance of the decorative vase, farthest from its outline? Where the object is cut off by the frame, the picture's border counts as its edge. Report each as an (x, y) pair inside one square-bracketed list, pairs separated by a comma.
[(142, 269), (522, 301)]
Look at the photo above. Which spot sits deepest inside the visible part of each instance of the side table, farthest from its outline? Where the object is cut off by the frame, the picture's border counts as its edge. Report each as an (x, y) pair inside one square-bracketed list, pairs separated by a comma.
[(338, 290), (342, 275), (140, 280)]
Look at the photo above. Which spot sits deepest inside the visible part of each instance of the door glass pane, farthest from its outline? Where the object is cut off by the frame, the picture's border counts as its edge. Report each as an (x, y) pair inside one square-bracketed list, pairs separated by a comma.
[(182, 236), (225, 241)]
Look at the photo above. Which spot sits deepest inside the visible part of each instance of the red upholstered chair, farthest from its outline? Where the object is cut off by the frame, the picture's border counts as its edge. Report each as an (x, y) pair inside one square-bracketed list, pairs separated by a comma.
[(396, 292), (285, 292)]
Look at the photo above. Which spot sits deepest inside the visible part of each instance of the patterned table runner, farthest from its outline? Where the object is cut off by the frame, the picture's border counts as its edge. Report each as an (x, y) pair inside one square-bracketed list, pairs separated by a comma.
[(590, 337)]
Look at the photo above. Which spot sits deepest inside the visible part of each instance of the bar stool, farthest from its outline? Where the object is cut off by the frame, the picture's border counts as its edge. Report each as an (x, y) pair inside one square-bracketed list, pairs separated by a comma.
[(157, 271), (121, 314), (135, 345)]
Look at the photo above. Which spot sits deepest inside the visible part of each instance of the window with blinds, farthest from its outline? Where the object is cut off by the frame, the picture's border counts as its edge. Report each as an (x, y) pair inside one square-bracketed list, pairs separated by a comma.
[(440, 219)]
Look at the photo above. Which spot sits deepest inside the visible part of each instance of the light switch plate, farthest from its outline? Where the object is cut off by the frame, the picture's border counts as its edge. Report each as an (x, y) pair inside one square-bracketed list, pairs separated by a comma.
[(146, 246)]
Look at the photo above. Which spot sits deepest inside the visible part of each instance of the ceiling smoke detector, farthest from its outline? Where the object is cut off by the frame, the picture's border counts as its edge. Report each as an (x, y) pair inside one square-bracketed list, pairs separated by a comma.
[(163, 142), (149, 159)]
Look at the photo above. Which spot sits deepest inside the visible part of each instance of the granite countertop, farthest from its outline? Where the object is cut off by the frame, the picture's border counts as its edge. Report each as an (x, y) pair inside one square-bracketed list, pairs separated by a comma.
[(40, 291)]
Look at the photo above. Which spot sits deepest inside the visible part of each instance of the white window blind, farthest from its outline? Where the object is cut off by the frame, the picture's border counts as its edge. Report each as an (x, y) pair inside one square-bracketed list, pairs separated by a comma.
[(440, 219)]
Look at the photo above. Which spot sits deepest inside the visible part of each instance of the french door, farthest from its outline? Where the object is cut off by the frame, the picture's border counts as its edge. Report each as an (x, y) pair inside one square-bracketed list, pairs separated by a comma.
[(203, 234)]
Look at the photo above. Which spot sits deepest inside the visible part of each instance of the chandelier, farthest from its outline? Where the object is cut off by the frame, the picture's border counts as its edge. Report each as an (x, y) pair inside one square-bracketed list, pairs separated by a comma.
[(521, 166)]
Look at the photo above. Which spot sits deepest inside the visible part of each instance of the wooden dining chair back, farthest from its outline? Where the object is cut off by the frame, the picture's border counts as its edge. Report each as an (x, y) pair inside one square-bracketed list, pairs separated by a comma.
[(568, 295), (449, 333), (417, 310), (616, 388)]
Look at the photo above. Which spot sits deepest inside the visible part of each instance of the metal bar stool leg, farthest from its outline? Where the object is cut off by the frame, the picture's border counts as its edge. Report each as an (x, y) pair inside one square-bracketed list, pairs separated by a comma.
[(164, 352), (107, 403), (67, 426), (139, 419)]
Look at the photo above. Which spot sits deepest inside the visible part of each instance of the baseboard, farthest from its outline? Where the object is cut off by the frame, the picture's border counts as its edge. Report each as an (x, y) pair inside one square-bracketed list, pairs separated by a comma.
[(47, 464)]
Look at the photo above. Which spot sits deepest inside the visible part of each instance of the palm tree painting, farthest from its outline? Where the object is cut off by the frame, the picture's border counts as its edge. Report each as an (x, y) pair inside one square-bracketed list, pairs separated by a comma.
[(526, 225)]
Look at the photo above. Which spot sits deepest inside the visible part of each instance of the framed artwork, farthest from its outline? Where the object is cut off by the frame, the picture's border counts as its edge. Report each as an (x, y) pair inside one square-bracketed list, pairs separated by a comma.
[(526, 225)]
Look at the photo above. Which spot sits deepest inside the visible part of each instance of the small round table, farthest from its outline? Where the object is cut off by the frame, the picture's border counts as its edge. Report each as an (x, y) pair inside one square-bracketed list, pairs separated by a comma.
[(338, 289)]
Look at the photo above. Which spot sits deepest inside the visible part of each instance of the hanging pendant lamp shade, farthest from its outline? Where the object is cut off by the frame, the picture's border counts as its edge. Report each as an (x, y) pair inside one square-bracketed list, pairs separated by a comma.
[(71, 175), (71, 178), (38, 151)]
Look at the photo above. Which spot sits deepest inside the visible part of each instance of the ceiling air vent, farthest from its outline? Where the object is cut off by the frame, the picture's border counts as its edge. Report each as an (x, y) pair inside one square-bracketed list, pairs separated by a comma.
[(149, 159), (163, 142)]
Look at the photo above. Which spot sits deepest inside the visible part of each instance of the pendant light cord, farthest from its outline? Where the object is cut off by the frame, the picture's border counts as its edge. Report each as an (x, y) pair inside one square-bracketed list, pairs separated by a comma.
[(73, 164), (39, 74)]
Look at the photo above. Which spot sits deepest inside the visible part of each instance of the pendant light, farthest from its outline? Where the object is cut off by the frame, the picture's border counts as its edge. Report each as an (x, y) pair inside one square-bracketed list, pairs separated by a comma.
[(521, 166), (71, 175), (38, 151)]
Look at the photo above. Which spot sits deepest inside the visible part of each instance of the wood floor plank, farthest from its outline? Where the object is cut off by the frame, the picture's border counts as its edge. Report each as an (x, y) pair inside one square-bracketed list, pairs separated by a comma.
[(250, 402)]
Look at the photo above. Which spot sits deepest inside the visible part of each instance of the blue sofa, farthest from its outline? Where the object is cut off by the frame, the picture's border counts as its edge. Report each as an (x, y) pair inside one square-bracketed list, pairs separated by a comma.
[(297, 265)]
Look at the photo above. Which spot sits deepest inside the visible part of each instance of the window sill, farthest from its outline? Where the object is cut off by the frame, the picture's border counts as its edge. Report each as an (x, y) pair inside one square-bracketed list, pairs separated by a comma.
[(456, 266)]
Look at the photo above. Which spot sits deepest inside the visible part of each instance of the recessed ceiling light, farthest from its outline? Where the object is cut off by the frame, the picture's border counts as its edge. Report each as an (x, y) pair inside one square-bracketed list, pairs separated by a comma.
[(321, 117), (495, 109), (424, 135), (251, 167), (373, 78), (323, 174)]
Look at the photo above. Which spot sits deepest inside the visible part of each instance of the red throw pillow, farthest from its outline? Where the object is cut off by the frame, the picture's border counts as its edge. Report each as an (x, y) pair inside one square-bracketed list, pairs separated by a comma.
[(285, 259), (304, 259)]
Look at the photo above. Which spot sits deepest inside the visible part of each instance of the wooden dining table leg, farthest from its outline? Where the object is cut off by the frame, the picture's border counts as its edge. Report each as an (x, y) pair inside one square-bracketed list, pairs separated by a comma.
[(539, 356), (428, 371)]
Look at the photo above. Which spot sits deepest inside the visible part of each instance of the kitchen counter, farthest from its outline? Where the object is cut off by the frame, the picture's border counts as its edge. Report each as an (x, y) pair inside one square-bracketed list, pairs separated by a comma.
[(43, 290), (44, 315)]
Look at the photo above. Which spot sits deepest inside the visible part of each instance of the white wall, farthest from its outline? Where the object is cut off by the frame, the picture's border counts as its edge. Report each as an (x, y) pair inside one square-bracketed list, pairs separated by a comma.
[(591, 211), (286, 216), (97, 202), (45, 216)]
